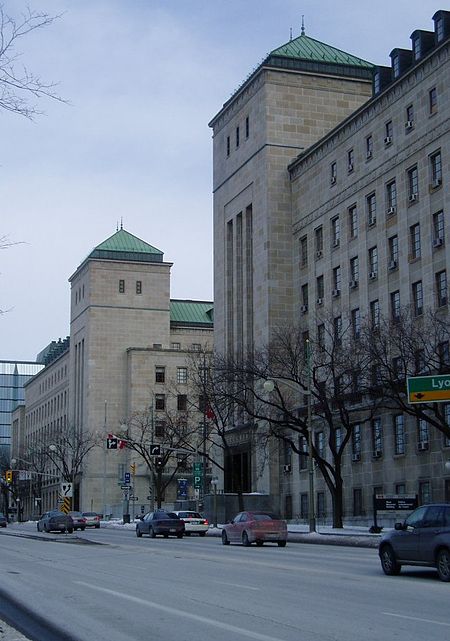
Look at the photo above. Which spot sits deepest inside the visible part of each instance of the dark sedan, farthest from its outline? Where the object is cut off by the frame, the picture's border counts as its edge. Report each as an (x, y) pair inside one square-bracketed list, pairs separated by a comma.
[(55, 521), (3, 520), (423, 539), (160, 522)]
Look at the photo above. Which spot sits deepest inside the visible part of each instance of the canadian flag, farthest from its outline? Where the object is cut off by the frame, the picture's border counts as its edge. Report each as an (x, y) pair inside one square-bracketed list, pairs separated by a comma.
[(121, 442), (210, 413)]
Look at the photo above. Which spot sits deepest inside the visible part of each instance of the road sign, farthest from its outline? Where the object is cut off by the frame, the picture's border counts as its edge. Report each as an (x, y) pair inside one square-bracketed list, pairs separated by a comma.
[(127, 477), (198, 468), (395, 501), (125, 487), (428, 389), (111, 443), (197, 482), (149, 498), (133, 498), (155, 450), (66, 490)]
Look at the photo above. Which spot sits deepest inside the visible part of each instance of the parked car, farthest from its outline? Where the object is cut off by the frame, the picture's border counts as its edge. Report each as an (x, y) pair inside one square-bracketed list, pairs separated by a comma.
[(3, 520), (79, 522), (255, 527), (160, 522), (422, 539), (92, 519), (55, 521), (193, 522)]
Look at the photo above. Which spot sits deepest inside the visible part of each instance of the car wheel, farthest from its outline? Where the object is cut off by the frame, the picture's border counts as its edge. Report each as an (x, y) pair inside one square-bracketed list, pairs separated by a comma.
[(70, 530), (259, 543), (245, 540), (83, 529), (225, 540), (97, 526), (281, 544), (37, 525), (188, 533), (388, 561), (180, 535), (151, 533), (138, 533), (443, 564), (202, 533), (45, 528), (166, 536)]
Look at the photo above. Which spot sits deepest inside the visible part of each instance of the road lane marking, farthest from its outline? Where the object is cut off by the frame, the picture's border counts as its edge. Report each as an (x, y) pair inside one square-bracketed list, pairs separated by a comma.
[(181, 613), (404, 616), (238, 585)]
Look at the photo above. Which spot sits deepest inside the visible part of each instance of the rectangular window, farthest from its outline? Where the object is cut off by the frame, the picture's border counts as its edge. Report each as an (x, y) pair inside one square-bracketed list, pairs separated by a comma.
[(196, 347), (369, 147), (423, 433), (413, 184), (304, 251), (321, 512), (357, 502), (399, 434), (409, 117), (436, 169), (320, 289), (237, 137), (396, 66), (304, 509), (441, 288), (337, 330), (159, 429), (377, 437), (439, 26), (121, 287), (375, 314), (432, 100), (356, 323), (318, 238), (356, 439), (182, 375), (438, 228), (303, 453), (354, 270), (391, 197), (321, 336), (181, 402), (176, 345), (353, 221), (336, 280), (350, 160), (320, 443), (414, 235), (389, 132), (395, 305), (247, 127), (400, 488), (373, 262), (335, 231), (371, 207), (138, 287), (305, 295), (160, 374), (416, 47), (424, 492), (160, 402), (333, 173), (393, 252), (228, 145), (417, 292)]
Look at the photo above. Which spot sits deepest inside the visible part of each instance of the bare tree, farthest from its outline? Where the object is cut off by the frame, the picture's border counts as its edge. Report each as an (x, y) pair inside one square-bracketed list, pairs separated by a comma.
[(405, 346), (20, 87)]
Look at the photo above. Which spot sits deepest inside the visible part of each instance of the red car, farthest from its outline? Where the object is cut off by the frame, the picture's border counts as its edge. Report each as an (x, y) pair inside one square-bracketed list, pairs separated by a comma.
[(255, 527)]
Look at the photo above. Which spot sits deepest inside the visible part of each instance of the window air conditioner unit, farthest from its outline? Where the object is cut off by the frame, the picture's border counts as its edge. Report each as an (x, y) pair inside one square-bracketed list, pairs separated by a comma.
[(392, 265), (356, 457), (333, 180), (412, 198), (409, 124), (438, 242), (369, 155), (319, 301), (350, 167), (287, 468), (304, 309), (372, 221), (376, 454), (335, 293), (437, 182), (391, 211), (387, 140), (319, 253), (353, 284), (422, 446), (373, 275)]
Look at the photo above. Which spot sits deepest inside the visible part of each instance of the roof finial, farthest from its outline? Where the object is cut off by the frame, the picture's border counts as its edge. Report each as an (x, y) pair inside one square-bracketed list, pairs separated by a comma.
[(121, 222), (290, 38), (303, 25), (117, 225)]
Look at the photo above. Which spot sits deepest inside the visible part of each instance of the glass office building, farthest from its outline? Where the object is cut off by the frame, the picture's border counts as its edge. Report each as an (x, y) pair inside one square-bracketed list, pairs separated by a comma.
[(13, 376)]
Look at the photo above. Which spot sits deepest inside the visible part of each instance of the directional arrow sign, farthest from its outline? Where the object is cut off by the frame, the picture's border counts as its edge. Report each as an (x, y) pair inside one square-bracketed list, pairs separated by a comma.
[(428, 389), (66, 490)]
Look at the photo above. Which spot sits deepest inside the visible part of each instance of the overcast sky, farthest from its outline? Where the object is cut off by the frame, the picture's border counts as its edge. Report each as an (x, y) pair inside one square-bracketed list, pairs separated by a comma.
[(143, 78)]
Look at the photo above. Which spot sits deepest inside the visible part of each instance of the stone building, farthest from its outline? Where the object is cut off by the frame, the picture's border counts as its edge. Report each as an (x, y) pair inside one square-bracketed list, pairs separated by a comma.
[(330, 172), (128, 352)]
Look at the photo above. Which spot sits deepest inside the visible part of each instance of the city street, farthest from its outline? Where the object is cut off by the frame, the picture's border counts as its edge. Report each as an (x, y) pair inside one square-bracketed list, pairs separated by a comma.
[(124, 588)]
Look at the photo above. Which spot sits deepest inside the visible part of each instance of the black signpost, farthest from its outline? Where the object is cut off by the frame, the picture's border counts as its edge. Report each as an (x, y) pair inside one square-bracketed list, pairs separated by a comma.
[(392, 503)]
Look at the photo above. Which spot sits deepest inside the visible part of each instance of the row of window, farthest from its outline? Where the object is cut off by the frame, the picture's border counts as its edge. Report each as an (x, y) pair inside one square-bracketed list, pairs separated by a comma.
[(52, 407), (182, 403), (237, 136), (53, 379), (79, 294), (122, 286), (160, 375), (388, 136)]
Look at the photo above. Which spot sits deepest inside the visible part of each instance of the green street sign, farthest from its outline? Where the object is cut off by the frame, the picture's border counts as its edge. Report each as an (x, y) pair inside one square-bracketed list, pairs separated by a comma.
[(198, 468), (428, 389), (197, 482)]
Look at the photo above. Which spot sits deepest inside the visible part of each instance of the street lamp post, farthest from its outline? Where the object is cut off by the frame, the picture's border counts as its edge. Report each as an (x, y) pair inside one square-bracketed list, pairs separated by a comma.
[(214, 482), (269, 386)]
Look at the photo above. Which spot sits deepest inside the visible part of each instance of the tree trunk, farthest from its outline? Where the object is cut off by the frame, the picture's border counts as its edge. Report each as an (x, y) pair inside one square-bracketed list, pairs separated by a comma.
[(337, 500)]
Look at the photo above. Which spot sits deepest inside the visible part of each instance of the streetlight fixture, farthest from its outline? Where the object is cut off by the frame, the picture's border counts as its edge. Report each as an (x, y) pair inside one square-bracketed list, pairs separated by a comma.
[(269, 386)]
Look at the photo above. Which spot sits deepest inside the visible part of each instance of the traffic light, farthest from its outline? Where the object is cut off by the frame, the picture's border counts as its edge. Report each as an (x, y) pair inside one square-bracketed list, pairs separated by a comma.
[(133, 468), (9, 476)]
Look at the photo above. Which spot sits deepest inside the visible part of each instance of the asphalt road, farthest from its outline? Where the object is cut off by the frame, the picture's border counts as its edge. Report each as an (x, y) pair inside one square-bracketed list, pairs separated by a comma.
[(125, 589)]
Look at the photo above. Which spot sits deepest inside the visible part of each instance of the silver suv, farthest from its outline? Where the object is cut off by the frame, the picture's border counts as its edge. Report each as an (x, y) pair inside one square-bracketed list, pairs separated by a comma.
[(422, 539)]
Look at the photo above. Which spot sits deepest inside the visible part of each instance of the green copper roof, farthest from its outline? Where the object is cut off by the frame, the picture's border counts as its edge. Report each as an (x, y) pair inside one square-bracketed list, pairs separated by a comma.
[(124, 246), (191, 312), (306, 48)]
